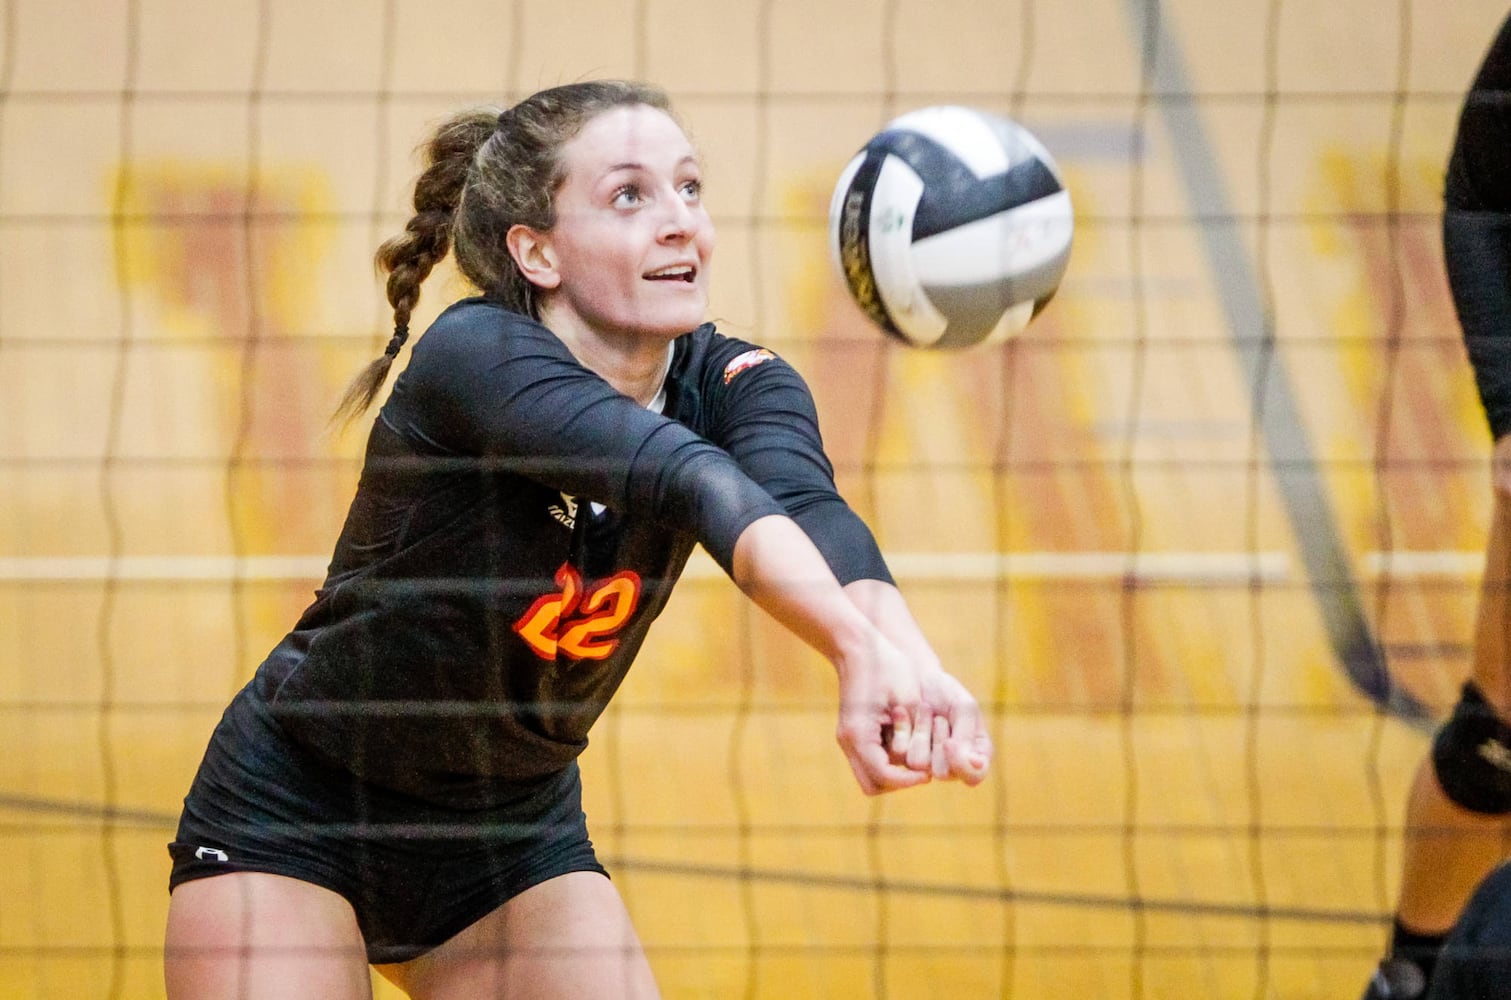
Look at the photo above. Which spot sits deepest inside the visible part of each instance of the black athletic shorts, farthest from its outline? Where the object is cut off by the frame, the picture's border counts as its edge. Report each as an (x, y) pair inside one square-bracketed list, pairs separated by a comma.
[(416, 873)]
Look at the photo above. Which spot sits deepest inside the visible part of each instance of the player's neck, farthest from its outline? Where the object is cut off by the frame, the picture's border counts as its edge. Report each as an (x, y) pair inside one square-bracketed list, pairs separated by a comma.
[(634, 364)]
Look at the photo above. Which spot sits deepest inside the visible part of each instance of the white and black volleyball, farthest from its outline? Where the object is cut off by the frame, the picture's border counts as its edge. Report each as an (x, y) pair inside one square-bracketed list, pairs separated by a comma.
[(951, 227)]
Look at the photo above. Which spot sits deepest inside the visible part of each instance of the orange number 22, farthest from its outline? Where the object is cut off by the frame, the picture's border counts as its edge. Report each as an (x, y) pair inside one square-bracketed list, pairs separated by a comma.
[(580, 622)]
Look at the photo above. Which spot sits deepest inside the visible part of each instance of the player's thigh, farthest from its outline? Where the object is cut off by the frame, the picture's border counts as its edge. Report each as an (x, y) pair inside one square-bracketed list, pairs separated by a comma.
[(567, 937), (250, 934), (1492, 634)]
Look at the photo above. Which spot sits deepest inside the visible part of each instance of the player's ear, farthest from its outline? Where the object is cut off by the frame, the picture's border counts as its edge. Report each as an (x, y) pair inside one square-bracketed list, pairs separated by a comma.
[(534, 256)]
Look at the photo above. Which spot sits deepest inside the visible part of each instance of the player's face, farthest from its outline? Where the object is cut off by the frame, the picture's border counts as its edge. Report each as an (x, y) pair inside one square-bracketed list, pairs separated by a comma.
[(632, 239)]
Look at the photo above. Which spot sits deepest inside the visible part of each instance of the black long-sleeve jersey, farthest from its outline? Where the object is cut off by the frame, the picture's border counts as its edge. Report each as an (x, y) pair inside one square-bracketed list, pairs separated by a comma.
[(1477, 228), (517, 526)]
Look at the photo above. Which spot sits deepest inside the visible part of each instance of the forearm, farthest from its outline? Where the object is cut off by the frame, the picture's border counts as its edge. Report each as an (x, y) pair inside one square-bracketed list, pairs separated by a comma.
[(902, 718), (886, 609), (780, 569)]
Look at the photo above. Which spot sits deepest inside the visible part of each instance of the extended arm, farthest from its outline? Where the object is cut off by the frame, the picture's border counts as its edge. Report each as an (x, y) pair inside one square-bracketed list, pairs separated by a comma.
[(770, 426), (880, 688)]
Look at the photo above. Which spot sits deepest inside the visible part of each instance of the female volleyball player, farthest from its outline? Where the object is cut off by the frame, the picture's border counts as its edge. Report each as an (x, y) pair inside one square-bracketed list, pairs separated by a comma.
[(397, 784), (1458, 816)]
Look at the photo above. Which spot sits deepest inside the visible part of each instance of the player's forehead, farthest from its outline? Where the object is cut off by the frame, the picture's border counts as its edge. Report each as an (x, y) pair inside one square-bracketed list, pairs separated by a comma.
[(629, 136)]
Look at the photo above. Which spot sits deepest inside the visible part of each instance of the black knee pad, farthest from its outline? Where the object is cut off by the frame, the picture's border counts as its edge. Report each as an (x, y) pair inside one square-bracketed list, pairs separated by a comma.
[(1472, 756)]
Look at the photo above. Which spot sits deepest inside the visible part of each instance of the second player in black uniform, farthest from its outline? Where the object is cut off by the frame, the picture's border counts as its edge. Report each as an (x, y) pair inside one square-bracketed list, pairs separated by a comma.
[(1458, 816)]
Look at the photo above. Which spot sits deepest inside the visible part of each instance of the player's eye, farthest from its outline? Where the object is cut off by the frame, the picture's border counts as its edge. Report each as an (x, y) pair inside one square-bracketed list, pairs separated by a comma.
[(692, 190), (627, 196)]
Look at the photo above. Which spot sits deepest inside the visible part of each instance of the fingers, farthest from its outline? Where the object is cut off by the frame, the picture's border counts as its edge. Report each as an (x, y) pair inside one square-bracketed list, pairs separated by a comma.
[(920, 748), (962, 749), (947, 746), (902, 731), (969, 759), (877, 769), (942, 763), (875, 772), (973, 744), (902, 726), (918, 736)]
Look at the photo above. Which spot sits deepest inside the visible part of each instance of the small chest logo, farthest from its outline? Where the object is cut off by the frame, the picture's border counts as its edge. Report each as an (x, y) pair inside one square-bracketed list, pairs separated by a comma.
[(749, 359), (566, 511), (580, 621)]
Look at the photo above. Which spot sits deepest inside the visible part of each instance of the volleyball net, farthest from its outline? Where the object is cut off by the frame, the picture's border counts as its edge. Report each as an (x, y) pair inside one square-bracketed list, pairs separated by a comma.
[(1204, 540)]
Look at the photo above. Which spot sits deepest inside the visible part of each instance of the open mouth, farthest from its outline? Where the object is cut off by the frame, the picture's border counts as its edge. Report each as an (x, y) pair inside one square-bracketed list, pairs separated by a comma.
[(675, 272)]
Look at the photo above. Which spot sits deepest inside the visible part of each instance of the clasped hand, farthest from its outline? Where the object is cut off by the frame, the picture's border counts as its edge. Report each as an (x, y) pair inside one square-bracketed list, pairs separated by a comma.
[(903, 723)]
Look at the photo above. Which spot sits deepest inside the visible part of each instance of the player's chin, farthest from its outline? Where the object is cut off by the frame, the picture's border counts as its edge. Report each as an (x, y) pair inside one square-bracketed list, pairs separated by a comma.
[(673, 319)]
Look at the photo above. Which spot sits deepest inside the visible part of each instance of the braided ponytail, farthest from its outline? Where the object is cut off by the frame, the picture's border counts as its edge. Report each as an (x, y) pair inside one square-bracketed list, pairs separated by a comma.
[(410, 256)]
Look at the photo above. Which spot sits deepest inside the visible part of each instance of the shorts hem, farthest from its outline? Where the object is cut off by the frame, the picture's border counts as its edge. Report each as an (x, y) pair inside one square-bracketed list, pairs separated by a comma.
[(181, 875), (395, 954)]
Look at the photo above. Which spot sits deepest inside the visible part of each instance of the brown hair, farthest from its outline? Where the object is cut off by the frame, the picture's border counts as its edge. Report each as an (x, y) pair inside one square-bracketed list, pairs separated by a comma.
[(485, 172)]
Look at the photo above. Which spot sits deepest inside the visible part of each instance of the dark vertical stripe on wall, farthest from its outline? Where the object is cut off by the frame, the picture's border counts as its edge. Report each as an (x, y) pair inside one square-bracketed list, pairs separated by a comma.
[(1293, 463), (1253, 707)]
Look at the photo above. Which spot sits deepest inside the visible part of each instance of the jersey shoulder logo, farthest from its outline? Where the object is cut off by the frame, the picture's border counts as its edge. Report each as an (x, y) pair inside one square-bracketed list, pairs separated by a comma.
[(745, 361)]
